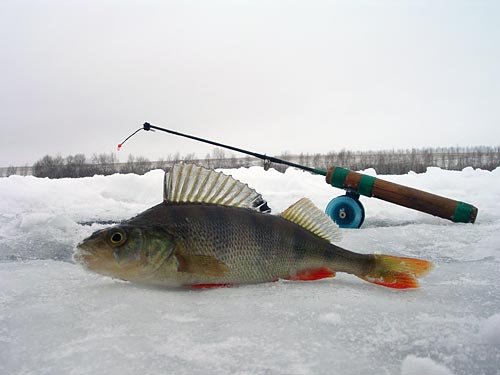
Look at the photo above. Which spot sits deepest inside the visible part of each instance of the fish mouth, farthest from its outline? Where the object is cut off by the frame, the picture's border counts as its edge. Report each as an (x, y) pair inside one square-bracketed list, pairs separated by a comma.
[(83, 254), (94, 258)]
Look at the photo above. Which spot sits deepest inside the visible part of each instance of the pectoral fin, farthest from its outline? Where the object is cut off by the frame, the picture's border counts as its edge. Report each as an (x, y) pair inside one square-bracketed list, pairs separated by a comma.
[(201, 265)]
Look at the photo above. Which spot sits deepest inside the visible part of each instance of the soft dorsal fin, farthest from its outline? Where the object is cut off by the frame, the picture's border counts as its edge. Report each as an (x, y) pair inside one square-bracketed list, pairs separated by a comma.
[(310, 217), (189, 183)]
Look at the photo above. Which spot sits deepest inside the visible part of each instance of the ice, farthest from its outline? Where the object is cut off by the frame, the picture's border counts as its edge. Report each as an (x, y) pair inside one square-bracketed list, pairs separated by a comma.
[(56, 318), (418, 366), (490, 330)]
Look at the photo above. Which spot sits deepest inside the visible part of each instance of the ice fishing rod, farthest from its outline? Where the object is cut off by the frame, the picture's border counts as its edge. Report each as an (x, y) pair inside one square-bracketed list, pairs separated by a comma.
[(350, 211), (147, 126)]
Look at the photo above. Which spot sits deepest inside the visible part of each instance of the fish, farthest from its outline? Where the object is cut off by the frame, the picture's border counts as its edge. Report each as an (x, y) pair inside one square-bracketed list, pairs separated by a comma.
[(212, 230)]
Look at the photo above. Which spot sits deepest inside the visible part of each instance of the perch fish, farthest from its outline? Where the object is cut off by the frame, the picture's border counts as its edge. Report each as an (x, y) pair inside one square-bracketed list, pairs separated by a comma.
[(212, 230)]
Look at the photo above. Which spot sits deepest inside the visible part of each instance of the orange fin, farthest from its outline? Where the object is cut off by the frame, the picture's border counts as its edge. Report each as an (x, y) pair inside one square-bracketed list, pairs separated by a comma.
[(312, 274), (210, 286), (397, 272)]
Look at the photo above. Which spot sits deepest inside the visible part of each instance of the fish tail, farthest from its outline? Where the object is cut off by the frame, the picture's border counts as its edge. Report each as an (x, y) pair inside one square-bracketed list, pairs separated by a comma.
[(397, 272)]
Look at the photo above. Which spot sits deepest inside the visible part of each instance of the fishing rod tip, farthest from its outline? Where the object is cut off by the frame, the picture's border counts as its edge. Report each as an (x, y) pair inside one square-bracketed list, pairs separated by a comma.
[(119, 146)]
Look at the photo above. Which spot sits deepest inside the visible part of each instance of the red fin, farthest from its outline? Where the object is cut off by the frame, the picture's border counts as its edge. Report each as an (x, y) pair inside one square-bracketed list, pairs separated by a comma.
[(398, 272), (312, 274), (210, 286), (396, 281)]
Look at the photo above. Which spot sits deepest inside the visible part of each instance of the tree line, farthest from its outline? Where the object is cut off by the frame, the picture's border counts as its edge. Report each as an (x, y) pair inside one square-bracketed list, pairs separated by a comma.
[(404, 161), (384, 162)]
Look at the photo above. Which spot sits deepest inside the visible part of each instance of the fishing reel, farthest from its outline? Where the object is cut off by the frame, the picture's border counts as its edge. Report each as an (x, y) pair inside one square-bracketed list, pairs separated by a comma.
[(346, 211)]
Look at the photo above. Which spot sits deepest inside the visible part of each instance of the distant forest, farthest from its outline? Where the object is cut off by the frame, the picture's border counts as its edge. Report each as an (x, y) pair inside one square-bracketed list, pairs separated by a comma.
[(384, 162)]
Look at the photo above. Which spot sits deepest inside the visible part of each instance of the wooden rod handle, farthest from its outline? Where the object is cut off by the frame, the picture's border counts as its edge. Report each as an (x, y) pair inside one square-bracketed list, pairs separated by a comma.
[(405, 196)]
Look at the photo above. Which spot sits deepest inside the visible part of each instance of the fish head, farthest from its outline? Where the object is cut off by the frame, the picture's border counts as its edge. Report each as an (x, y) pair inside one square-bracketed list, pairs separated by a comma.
[(126, 252)]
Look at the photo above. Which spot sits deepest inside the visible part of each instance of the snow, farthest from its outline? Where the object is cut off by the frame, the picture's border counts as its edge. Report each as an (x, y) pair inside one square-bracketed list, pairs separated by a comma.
[(56, 318)]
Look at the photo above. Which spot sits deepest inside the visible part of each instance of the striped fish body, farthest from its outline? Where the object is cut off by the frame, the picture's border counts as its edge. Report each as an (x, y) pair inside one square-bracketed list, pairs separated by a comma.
[(253, 247)]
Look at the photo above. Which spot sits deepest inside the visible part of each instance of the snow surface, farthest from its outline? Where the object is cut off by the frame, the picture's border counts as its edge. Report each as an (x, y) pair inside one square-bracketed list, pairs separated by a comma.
[(56, 318)]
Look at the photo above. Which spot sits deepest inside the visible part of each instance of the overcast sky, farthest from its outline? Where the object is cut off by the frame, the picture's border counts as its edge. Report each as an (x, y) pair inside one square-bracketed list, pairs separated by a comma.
[(269, 76)]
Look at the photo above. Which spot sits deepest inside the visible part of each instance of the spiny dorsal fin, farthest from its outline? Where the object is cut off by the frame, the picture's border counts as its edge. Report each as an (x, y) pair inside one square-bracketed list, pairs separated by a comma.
[(310, 217), (189, 183)]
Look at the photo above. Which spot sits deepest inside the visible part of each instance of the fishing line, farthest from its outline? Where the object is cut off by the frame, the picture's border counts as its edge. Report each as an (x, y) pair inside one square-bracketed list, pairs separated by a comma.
[(131, 135)]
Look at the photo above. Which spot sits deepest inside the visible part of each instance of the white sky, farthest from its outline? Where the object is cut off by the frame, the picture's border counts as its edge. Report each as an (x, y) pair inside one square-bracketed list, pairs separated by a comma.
[(269, 76)]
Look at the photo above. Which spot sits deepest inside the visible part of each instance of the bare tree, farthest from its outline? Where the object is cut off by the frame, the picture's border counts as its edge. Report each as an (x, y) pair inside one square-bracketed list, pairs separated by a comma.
[(11, 170), (128, 167), (189, 157), (159, 164), (218, 158), (208, 161), (176, 158), (76, 166), (104, 164), (142, 165), (48, 166)]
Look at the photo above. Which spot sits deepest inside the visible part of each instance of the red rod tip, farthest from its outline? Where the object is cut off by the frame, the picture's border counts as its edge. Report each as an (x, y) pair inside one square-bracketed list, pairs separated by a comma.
[(119, 146)]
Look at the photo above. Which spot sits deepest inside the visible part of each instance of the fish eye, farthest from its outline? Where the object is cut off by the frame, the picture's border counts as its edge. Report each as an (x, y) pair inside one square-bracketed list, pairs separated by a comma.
[(117, 238)]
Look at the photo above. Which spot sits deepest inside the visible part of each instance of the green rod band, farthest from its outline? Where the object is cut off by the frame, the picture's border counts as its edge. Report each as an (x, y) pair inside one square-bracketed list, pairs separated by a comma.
[(339, 176), (463, 213), (366, 185)]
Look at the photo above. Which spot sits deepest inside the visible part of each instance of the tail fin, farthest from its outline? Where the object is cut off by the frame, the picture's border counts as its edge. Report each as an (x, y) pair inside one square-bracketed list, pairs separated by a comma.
[(397, 272)]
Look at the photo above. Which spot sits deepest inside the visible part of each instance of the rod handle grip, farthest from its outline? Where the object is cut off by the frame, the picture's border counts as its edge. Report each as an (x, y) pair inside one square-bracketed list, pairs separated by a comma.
[(446, 208)]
